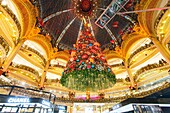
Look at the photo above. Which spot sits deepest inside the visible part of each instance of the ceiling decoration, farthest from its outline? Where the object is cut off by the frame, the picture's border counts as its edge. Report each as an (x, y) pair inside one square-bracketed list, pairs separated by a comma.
[(56, 15), (87, 68), (85, 8)]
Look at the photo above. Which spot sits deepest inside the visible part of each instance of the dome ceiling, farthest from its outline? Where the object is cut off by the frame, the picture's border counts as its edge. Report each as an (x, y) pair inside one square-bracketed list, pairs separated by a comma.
[(58, 18)]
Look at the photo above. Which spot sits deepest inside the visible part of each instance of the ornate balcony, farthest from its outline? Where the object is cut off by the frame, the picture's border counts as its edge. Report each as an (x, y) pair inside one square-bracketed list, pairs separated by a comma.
[(4, 44), (27, 48), (139, 50)]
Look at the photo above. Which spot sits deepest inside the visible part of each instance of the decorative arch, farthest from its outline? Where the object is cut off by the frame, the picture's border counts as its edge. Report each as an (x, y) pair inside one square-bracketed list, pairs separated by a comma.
[(44, 42), (130, 40)]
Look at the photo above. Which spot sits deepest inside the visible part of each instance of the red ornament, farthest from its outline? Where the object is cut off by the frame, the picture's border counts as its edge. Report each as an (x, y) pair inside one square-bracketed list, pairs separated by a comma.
[(79, 45), (120, 32), (112, 41), (102, 57), (41, 22), (72, 66), (85, 56), (89, 66), (75, 58), (96, 47), (80, 62), (128, 5), (90, 47), (115, 24), (93, 51), (88, 52)]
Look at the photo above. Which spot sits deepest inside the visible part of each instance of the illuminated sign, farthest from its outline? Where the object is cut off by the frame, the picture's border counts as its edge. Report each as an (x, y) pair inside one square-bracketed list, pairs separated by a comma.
[(61, 107), (46, 103), (18, 100), (116, 106)]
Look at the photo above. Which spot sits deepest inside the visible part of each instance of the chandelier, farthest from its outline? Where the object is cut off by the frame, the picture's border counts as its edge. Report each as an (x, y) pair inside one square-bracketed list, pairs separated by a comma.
[(87, 67)]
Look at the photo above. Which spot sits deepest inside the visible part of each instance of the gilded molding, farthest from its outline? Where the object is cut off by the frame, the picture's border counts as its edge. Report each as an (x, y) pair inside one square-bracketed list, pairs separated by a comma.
[(112, 54), (4, 44), (62, 55), (130, 40), (29, 50), (13, 16), (28, 13), (43, 41), (147, 19)]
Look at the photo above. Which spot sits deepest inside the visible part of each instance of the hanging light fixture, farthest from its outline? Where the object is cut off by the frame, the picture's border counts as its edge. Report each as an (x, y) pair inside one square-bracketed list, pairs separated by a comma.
[(87, 67), (85, 8)]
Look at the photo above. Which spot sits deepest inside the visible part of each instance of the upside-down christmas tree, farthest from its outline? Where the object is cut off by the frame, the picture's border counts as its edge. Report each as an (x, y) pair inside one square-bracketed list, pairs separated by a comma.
[(87, 67)]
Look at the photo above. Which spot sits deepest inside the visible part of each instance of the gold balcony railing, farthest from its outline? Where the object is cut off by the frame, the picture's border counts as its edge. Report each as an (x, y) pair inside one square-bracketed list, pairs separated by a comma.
[(149, 67), (13, 16), (25, 47), (24, 67), (4, 44), (139, 50)]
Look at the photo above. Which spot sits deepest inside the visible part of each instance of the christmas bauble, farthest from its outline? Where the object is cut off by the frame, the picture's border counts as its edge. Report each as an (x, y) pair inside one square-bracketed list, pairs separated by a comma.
[(96, 44), (92, 65), (109, 69), (88, 66), (90, 44), (112, 41), (93, 51), (88, 52), (102, 57), (84, 56), (96, 47)]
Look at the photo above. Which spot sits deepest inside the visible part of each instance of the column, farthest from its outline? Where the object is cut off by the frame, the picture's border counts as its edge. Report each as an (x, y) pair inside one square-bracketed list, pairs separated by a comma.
[(101, 109), (12, 54), (161, 49), (130, 74), (70, 109), (41, 85)]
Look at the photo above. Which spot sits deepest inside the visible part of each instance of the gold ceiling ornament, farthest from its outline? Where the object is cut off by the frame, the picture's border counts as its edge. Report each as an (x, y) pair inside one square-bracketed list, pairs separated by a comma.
[(34, 32), (54, 53), (118, 50), (85, 8), (59, 54), (139, 29)]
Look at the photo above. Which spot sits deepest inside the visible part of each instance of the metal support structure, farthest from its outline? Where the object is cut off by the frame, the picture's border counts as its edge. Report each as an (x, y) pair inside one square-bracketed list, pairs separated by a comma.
[(111, 35), (145, 10), (63, 32), (50, 97), (110, 12), (55, 14), (11, 91)]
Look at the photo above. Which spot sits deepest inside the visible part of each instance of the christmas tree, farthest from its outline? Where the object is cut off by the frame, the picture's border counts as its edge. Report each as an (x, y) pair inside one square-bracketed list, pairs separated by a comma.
[(87, 67)]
